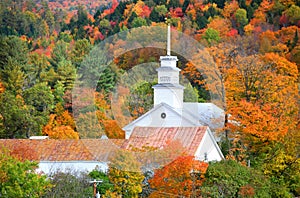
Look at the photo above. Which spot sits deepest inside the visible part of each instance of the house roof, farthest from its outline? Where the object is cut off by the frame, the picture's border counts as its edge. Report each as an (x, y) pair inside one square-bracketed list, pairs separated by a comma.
[(160, 137), (62, 150), (189, 139)]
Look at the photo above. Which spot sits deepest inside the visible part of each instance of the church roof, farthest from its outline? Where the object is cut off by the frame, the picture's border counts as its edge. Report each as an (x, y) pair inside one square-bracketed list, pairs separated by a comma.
[(159, 137), (208, 114)]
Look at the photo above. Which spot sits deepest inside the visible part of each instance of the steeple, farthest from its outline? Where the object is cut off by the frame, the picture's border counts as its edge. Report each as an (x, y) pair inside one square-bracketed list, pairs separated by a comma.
[(168, 90)]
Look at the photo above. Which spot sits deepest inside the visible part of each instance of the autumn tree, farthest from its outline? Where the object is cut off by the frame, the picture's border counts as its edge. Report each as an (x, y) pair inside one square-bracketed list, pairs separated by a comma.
[(60, 125), (257, 87), (182, 177), (125, 173)]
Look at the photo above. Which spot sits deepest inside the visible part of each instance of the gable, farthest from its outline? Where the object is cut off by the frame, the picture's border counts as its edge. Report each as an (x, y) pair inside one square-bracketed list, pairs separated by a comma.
[(160, 116), (208, 149)]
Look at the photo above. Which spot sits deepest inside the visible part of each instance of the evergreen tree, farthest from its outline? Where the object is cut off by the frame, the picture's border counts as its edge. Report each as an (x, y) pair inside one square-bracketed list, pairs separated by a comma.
[(12, 76)]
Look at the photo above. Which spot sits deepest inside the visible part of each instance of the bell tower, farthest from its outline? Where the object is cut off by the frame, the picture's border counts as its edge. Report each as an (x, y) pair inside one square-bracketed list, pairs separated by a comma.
[(168, 90)]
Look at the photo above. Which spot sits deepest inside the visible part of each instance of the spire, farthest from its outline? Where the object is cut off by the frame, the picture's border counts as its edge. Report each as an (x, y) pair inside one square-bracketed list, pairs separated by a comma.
[(169, 41)]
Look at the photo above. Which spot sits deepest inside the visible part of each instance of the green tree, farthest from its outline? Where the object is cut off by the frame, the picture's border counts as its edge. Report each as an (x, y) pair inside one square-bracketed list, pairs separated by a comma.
[(18, 178), (241, 19), (13, 119), (70, 184), (107, 80), (231, 179), (59, 53), (141, 98), (81, 48), (40, 97), (105, 185), (14, 48), (139, 22), (36, 66), (211, 36), (105, 26), (39, 102), (58, 93), (158, 14), (66, 73), (201, 20), (12, 76), (293, 14)]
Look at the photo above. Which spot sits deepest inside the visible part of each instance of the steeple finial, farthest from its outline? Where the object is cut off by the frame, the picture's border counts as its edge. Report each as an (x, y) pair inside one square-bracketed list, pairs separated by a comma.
[(169, 41), (168, 38)]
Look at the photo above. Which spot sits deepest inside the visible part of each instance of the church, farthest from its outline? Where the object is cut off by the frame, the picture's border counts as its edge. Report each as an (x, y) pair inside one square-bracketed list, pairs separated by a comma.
[(171, 120)]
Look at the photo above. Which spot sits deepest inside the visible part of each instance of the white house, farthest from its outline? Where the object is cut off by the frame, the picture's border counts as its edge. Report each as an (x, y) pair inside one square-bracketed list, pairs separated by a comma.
[(64, 155)]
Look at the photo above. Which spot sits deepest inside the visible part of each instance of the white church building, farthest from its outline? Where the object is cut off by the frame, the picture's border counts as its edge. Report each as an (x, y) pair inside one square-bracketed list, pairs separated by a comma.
[(171, 111)]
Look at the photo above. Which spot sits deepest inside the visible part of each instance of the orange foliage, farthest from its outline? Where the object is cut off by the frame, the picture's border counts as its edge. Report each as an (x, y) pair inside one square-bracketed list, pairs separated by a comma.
[(260, 15), (247, 191), (287, 34), (182, 177), (230, 8), (113, 130), (192, 73), (2, 88), (221, 25), (62, 132), (177, 12), (257, 91), (60, 127)]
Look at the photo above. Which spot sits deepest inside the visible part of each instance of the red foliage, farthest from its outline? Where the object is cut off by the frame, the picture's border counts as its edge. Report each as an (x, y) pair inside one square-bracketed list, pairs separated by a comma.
[(283, 20), (177, 12), (146, 11), (233, 32)]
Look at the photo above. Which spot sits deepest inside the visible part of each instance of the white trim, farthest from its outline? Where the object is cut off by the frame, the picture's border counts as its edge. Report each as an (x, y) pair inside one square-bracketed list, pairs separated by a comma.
[(127, 127), (215, 143)]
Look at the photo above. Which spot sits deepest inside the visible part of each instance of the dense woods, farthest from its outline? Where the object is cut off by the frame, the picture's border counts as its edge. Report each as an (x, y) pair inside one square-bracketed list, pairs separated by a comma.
[(254, 45)]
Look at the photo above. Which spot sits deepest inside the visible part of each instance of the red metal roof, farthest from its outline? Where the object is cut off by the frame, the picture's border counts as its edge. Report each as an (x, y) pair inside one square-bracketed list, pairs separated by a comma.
[(101, 149), (160, 137), (62, 150)]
